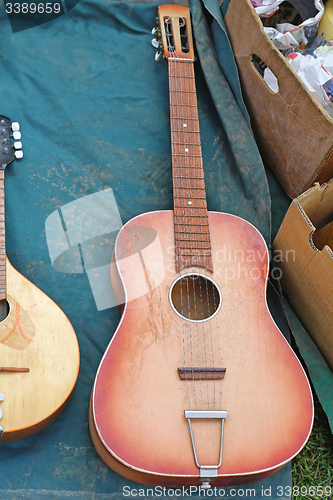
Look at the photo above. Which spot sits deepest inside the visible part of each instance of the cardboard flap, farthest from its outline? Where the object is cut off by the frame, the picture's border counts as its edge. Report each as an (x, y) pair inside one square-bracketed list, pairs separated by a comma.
[(306, 272), (317, 203)]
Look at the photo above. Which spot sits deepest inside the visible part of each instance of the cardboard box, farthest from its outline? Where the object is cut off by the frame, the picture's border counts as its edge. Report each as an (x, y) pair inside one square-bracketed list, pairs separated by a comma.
[(293, 131), (307, 272)]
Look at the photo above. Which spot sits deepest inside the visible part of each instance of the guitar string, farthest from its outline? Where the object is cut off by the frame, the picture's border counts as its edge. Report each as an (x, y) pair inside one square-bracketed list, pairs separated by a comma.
[(215, 304), (199, 277), (207, 282), (172, 109), (180, 65), (199, 326), (187, 160), (178, 93)]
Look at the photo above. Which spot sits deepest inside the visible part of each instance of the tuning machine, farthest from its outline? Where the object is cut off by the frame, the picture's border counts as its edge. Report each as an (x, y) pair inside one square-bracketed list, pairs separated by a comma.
[(16, 135), (156, 42)]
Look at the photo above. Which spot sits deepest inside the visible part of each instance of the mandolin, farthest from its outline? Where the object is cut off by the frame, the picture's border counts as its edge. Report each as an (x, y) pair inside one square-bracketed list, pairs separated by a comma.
[(39, 354), (198, 386)]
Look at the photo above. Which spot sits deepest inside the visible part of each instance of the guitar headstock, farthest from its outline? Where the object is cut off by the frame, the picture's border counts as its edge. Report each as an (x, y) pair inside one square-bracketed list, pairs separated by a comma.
[(8, 151), (174, 33)]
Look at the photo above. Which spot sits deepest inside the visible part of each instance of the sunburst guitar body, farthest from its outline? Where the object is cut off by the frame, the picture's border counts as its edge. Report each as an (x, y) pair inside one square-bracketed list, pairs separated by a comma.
[(198, 386), (39, 353)]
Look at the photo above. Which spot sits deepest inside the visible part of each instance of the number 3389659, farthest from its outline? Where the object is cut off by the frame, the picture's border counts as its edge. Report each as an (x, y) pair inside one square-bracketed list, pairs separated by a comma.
[(33, 8)]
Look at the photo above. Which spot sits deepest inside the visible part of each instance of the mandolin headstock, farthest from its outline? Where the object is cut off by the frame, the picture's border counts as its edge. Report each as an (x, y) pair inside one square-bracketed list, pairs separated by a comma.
[(8, 151), (174, 32)]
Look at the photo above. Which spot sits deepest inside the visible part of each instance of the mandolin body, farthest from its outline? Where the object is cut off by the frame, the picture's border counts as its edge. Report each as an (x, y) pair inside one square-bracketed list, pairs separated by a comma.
[(137, 419), (36, 335)]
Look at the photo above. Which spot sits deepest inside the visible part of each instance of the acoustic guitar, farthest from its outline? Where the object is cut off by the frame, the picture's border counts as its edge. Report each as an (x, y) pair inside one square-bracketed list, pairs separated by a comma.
[(197, 385), (39, 353)]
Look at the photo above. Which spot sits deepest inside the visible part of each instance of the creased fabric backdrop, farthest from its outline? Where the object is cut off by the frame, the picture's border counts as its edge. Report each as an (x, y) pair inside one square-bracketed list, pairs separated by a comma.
[(94, 114)]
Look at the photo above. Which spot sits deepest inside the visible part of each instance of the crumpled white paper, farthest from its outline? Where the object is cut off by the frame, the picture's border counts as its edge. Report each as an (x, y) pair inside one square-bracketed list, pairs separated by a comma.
[(266, 7), (282, 41), (308, 27)]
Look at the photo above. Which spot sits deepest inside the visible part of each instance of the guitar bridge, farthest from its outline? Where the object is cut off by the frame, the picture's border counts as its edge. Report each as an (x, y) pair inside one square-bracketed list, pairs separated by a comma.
[(207, 472), (201, 373)]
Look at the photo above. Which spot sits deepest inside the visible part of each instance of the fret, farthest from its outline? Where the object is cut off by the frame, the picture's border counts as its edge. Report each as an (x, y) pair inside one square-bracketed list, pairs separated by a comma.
[(187, 131), (183, 145), (190, 207), (185, 155), (193, 256), (193, 198), (190, 216), (196, 167), (191, 225), (190, 233), (193, 245), (183, 91), (184, 105), (194, 241), (183, 118), (181, 76), (187, 177), (187, 188)]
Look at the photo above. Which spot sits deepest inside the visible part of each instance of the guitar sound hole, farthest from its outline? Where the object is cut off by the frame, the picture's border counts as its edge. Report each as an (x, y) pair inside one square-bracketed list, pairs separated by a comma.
[(195, 297), (4, 309)]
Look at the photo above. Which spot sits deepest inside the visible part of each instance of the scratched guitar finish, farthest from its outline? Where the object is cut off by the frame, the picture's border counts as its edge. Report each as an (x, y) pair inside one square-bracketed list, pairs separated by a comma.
[(197, 385), (39, 354)]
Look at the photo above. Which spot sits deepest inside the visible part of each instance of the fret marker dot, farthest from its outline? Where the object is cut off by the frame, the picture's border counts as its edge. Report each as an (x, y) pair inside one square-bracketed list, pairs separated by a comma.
[(190, 203), (184, 124), (186, 150)]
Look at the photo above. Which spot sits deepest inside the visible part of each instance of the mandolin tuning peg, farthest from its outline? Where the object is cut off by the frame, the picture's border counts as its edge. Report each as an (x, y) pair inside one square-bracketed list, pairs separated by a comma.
[(15, 126), (18, 154), (154, 30), (16, 136), (158, 55), (155, 43), (17, 145)]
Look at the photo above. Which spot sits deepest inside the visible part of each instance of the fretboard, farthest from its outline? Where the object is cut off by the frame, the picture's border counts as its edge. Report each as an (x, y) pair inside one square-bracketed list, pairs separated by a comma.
[(2, 237), (192, 237)]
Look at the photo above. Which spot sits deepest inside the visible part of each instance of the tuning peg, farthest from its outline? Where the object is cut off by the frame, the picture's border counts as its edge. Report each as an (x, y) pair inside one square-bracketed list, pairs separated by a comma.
[(16, 136), (17, 145), (155, 43), (158, 55), (18, 154), (15, 126), (154, 30)]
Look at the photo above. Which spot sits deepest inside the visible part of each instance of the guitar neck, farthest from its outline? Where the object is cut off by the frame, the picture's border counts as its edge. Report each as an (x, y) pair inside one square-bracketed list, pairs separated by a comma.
[(2, 237), (192, 237)]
